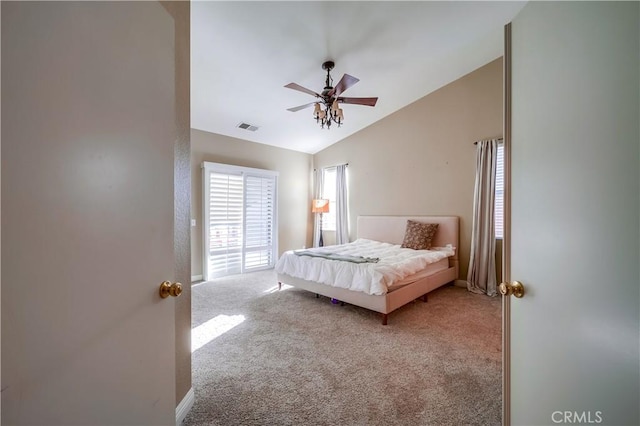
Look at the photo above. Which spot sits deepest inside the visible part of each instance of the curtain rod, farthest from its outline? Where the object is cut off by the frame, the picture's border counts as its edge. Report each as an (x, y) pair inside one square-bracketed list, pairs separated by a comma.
[(329, 167), (500, 139)]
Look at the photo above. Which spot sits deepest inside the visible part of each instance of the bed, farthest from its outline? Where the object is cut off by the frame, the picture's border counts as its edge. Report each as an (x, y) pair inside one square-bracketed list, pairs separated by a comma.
[(391, 230)]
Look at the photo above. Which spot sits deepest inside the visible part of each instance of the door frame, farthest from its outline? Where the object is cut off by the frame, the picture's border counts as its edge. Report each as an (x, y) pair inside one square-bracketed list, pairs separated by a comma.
[(506, 237)]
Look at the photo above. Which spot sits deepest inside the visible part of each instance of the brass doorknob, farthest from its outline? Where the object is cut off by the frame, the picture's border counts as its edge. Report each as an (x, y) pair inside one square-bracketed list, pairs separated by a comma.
[(167, 289), (515, 287)]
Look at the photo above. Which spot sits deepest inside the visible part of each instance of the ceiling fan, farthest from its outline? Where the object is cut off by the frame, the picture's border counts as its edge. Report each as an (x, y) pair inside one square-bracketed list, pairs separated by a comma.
[(326, 108)]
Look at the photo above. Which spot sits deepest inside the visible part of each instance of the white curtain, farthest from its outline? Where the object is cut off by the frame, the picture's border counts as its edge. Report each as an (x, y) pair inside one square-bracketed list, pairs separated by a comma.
[(482, 263), (342, 215), (317, 193)]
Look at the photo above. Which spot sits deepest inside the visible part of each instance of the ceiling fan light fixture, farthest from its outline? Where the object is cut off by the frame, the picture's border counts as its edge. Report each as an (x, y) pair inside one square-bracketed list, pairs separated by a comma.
[(327, 109)]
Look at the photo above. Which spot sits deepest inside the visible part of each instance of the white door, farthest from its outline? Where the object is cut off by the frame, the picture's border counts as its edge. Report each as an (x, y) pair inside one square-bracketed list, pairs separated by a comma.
[(88, 130), (575, 214)]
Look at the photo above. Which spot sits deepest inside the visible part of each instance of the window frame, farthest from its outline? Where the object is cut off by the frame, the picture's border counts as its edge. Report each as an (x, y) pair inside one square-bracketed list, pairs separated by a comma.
[(329, 219)]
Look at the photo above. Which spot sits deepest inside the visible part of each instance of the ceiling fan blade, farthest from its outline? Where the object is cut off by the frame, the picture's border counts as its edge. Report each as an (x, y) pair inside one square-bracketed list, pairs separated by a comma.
[(345, 82), (298, 108), (359, 101), (299, 88)]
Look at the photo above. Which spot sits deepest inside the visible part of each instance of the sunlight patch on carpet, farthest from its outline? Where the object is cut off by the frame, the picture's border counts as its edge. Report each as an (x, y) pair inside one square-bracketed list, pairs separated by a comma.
[(215, 327), (275, 288)]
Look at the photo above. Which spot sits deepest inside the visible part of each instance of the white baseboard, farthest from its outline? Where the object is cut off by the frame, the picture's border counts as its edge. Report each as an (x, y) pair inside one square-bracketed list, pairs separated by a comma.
[(185, 406), (195, 278), (461, 283)]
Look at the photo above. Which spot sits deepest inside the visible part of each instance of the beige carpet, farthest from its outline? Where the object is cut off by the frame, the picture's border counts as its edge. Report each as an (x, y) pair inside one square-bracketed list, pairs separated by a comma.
[(301, 360)]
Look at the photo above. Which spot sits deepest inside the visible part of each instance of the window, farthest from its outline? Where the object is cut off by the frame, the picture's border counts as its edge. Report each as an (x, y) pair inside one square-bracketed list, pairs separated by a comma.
[(499, 202), (240, 219), (329, 193)]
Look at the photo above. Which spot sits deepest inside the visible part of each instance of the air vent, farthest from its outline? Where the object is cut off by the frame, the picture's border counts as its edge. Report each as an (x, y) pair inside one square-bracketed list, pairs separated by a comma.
[(247, 126)]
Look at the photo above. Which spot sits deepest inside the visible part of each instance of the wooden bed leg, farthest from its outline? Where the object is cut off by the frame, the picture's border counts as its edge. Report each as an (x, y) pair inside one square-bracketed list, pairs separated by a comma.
[(317, 295), (279, 285), (424, 298), (384, 319)]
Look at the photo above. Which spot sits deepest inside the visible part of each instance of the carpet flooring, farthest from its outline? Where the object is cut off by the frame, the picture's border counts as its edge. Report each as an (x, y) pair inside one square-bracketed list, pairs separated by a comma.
[(289, 358)]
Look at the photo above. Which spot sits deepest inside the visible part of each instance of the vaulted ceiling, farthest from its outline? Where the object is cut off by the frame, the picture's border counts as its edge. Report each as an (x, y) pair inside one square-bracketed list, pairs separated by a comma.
[(244, 53)]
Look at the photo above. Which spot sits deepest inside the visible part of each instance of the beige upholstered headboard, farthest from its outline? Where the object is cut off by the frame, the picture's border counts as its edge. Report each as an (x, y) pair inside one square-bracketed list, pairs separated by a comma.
[(390, 229)]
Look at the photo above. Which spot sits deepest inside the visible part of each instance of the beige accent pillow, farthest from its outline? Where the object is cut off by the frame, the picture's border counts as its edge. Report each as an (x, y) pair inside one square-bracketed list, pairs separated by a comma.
[(418, 235)]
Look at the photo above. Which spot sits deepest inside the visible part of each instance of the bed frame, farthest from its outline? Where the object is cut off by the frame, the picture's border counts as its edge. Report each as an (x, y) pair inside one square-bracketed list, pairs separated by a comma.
[(391, 229)]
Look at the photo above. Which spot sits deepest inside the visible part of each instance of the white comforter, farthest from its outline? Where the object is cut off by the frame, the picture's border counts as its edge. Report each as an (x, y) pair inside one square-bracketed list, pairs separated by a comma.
[(372, 278)]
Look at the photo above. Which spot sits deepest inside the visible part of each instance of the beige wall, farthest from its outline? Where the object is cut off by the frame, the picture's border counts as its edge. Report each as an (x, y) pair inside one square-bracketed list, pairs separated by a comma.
[(421, 159), (294, 218)]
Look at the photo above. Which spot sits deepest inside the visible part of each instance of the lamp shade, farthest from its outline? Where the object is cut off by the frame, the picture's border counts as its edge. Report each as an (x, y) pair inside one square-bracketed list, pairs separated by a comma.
[(320, 206)]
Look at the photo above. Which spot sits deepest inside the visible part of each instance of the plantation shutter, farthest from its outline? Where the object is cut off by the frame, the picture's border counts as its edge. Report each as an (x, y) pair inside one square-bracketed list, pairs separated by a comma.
[(259, 222), (499, 201), (225, 224), (240, 219)]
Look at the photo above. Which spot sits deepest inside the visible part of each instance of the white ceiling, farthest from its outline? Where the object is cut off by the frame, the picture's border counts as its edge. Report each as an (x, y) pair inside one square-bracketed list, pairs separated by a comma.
[(243, 53)]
